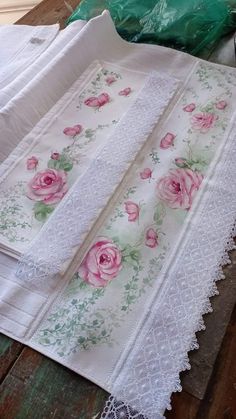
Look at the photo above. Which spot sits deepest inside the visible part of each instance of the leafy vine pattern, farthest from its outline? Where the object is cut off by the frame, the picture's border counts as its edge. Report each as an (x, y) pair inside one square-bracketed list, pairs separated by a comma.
[(121, 267), (13, 219), (104, 76)]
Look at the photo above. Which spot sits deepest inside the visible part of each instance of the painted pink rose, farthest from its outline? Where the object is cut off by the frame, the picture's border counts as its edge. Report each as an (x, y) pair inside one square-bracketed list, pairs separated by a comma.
[(125, 92), (55, 156), (97, 101), (132, 210), (179, 187), (101, 264), (189, 108), (48, 186), (151, 238), (110, 79), (146, 173), (203, 121), (32, 163), (167, 141), (72, 131), (221, 104)]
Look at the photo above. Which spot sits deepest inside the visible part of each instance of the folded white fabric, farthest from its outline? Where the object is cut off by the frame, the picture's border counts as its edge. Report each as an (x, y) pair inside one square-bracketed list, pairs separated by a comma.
[(20, 45), (120, 204), (34, 61), (34, 91)]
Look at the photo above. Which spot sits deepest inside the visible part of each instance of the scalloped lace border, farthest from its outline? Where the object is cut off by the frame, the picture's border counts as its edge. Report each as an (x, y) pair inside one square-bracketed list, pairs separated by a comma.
[(150, 373)]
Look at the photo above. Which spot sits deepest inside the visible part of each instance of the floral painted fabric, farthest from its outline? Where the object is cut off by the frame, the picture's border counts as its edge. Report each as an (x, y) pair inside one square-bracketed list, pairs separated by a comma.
[(60, 148), (119, 274)]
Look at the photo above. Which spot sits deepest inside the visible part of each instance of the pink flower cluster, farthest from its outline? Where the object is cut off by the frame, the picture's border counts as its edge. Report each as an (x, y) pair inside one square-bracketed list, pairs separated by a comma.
[(203, 121), (73, 131), (125, 92), (101, 264), (189, 108), (179, 187), (48, 186), (167, 141), (110, 80), (132, 210), (32, 163), (146, 173), (151, 238), (97, 101)]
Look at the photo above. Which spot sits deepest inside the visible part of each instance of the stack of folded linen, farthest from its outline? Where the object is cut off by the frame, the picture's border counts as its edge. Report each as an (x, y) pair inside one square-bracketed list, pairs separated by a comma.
[(117, 209)]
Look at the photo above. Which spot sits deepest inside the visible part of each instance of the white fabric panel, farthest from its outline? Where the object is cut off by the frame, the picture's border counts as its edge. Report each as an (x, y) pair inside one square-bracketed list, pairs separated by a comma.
[(37, 64), (20, 45)]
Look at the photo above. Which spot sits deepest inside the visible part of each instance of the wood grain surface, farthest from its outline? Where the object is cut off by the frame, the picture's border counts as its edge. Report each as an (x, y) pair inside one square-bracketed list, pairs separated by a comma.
[(49, 12)]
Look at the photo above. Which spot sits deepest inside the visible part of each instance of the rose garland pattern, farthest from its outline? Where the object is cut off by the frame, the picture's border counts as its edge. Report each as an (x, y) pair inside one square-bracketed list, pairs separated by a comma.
[(13, 220), (48, 186), (133, 244), (52, 179)]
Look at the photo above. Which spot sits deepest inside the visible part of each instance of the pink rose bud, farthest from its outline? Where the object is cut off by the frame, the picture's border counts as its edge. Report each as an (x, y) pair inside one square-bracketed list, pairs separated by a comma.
[(181, 162), (125, 92), (221, 104), (73, 131), (55, 156), (97, 101), (167, 141), (189, 108), (146, 173), (151, 238), (132, 210), (32, 163), (110, 80)]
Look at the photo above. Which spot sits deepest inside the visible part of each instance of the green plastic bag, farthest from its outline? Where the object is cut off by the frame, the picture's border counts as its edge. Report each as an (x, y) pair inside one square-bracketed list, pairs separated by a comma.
[(187, 25)]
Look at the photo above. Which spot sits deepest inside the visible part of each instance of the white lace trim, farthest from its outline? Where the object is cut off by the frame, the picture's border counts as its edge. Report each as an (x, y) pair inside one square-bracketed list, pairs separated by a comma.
[(75, 215), (150, 373)]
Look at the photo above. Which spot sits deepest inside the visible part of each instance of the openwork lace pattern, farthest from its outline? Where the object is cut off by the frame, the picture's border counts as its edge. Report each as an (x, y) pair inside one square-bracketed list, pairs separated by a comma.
[(150, 372), (75, 215)]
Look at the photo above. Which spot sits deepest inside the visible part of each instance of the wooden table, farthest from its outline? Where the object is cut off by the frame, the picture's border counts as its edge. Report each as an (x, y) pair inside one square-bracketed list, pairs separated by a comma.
[(35, 387)]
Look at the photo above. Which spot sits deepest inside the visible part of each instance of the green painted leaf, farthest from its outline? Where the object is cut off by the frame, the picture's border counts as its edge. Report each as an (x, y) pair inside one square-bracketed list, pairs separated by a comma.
[(159, 213), (63, 163), (67, 166), (182, 162), (135, 255), (41, 211), (54, 164), (89, 133)]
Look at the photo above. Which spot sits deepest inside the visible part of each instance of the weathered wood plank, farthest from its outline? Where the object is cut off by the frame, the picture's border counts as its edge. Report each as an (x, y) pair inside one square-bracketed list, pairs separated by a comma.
[(9, 352), (184, 406), (202, 361), (220, 398), (48, 12), (39, 388)]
